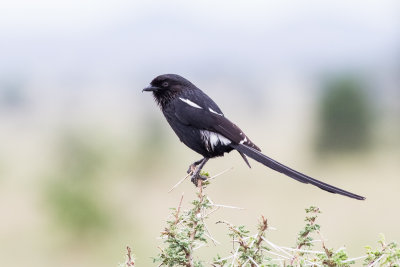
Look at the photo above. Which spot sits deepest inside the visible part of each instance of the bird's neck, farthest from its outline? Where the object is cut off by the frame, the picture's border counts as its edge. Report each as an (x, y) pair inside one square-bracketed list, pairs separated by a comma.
[(163, 98)]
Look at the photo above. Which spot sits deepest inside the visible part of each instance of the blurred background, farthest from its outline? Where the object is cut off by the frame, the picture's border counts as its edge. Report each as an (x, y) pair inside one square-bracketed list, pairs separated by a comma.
[(87, 159)]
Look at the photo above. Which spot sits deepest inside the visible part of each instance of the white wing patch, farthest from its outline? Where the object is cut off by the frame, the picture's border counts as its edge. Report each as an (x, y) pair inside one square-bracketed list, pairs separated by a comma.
[(244, 140), (213, 111), (212, 139), (190, 103)]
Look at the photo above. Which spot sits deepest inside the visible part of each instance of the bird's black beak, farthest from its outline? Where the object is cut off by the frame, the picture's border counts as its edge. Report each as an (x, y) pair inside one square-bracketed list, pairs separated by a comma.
[(150, 88)]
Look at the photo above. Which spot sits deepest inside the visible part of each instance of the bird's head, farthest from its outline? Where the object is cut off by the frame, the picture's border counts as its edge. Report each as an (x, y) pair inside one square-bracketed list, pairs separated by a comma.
[(167, 86)]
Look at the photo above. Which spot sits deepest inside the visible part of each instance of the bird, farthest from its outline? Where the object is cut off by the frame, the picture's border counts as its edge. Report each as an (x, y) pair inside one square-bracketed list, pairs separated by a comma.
[(201, 125)]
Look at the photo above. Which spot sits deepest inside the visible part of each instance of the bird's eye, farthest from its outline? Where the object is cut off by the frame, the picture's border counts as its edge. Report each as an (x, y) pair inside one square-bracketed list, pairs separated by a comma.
[(165, 84)]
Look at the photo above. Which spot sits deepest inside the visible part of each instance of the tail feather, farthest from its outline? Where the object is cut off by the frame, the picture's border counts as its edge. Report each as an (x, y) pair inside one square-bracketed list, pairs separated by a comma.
[(258, 156), (245, 158)]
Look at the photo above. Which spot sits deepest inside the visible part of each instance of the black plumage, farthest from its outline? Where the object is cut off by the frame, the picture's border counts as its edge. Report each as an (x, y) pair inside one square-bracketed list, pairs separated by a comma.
[(200, 124)]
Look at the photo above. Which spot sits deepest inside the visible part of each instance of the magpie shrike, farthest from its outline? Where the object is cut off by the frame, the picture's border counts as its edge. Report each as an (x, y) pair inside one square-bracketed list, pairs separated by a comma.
[(200, 124)]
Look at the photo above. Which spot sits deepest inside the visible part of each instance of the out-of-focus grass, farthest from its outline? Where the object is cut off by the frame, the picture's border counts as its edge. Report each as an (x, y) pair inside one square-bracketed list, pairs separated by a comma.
[(72, 193), (77, 210)]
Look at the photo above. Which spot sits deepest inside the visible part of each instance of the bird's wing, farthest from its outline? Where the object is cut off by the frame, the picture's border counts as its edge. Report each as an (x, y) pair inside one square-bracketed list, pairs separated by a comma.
[(202, 116)]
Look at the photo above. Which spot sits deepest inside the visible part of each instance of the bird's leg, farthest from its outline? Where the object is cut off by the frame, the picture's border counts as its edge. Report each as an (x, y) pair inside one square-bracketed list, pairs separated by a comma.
[(193, 166), (196, 171)]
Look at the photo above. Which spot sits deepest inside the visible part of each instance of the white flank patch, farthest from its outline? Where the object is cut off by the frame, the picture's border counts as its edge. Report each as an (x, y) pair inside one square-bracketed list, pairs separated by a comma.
[(190, 103), (212, 139), (213, 111)]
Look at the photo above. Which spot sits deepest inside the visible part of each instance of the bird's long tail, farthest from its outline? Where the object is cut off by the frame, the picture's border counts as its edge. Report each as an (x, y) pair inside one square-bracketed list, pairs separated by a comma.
[(260, 157)]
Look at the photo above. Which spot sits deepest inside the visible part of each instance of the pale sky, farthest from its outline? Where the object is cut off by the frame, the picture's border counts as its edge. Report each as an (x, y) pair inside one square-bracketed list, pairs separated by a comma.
[(51, 34)]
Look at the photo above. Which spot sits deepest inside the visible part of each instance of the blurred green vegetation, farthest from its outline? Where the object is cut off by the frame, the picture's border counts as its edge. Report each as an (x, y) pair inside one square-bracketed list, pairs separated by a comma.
[(76, 210), (345, 117), (73, 192)]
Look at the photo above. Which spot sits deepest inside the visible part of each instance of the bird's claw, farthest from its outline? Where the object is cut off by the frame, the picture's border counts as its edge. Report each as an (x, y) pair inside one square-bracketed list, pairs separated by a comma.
[(195, 179), (192, 167), (195, 169)]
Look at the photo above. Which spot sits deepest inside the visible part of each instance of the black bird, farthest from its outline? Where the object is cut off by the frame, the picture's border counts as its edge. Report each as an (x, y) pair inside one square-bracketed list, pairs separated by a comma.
[(200, 124)]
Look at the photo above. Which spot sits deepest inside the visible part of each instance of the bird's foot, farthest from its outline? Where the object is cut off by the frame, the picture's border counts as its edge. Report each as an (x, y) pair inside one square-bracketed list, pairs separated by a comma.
[(192, 167), (195, 178), (195, 171)]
